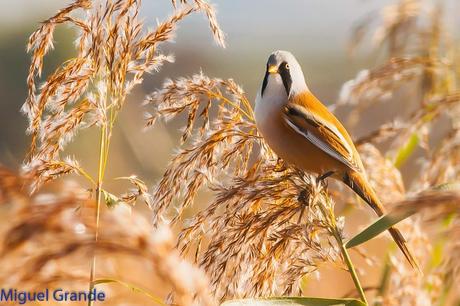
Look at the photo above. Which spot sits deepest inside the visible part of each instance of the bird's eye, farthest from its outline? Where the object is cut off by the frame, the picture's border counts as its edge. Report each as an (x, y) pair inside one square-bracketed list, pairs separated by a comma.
[(287, 66)]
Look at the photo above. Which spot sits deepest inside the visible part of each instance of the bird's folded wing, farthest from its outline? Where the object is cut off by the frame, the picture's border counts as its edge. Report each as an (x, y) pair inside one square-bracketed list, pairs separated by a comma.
[(320, 133)]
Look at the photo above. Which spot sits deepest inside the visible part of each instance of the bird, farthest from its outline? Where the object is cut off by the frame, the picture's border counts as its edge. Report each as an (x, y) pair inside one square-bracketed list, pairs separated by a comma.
[(304, 133)]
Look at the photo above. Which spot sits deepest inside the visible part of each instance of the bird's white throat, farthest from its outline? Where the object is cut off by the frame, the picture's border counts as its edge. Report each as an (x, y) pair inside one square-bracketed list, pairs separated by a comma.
[(269, 106), (272, 101)]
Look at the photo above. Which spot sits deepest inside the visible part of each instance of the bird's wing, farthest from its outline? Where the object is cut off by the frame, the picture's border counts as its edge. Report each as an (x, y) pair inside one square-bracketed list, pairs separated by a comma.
[(321, 133)]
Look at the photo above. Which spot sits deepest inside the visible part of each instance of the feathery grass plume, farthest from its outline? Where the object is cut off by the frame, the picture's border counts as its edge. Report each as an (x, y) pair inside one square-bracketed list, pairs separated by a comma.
[(51, 237), (140, 190), (444, 215), (224, 144), (443, 162), (371, 86), (268, 224), (113, 54), (210, 12), (384, 177), (398, 21), (421, 61), (189, 283), (449, 268), (420, 55), (421, 67), (271, 232), (406, 287)]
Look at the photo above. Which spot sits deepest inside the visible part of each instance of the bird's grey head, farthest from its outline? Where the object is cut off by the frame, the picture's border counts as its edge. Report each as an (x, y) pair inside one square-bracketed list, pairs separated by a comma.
[(284, 70)]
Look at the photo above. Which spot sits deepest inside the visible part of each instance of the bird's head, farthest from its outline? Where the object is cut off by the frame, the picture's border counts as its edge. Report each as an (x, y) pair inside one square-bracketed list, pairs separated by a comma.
[(283, 75)]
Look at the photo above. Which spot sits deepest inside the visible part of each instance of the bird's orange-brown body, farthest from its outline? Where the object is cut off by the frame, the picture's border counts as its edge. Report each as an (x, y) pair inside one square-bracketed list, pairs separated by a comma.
[(303, 132), (292, 147)]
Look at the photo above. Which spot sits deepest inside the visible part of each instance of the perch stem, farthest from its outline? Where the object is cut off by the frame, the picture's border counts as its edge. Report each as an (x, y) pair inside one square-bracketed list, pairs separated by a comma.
[(346, 256), (352, 270)]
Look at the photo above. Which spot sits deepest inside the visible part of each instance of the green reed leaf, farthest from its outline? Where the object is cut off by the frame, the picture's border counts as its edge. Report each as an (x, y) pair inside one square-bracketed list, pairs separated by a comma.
[(382, 224), (402, 212), (406, 151), (132, 287), (294, 301)]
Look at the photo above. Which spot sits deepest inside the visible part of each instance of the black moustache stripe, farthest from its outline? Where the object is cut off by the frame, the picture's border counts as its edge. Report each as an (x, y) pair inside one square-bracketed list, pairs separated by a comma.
[(265, 83), (285, 74)]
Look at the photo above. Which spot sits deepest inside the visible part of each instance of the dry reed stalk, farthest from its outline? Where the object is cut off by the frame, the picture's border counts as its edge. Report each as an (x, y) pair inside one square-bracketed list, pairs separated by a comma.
[(384, 177), (258, 200), (421, 61), (268, 224), (275, 220), (113, 54), (52, 236), (424, 56), (407, 287)]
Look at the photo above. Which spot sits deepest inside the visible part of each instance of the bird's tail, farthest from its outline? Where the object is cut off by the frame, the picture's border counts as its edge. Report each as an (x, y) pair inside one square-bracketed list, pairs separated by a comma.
[(359, 184)]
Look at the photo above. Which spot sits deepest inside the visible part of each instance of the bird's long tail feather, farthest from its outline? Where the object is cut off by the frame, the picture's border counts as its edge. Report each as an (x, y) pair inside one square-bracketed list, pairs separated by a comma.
[(358, 183)]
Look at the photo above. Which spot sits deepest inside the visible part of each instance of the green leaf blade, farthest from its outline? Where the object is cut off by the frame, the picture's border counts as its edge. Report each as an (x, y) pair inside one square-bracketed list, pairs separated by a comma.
[(382, 224), (129, 286), (406, 151), (294, 301)]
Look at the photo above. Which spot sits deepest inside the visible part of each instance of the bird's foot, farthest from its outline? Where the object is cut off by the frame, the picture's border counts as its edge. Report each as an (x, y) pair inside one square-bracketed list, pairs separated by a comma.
[(322, 178), (280, 165)]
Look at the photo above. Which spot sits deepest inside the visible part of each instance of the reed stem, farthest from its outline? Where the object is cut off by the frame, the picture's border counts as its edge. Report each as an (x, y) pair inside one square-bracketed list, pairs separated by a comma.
[(351, 269), (101, 168), (346, 257)]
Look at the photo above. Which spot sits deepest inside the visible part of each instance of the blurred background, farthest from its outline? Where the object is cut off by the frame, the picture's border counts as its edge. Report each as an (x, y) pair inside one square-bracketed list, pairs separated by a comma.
[(317, 32)]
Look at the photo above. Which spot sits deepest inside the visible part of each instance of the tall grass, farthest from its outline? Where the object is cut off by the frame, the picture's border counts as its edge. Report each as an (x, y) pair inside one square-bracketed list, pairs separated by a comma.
[(268, 227), (114, 51)]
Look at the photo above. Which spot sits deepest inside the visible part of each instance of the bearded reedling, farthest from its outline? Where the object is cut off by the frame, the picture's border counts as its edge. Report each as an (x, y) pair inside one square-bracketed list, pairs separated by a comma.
[(302, 131)]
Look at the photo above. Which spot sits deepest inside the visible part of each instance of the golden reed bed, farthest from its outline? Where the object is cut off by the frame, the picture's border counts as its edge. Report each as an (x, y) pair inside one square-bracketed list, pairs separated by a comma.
[(265, 229)]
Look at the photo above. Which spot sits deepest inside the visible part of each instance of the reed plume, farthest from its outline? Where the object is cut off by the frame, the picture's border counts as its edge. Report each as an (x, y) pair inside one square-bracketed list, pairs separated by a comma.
[(114, 52), (51, 236), (261, 226), (268, 224), (420, 72), (253, 191)]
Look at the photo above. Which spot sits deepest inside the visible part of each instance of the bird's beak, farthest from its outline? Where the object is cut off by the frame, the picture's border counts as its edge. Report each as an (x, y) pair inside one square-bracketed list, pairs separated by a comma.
[(272, 69)]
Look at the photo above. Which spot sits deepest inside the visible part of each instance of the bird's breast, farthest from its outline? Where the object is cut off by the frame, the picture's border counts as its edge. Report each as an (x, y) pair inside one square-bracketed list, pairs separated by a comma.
[(288, 144)]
